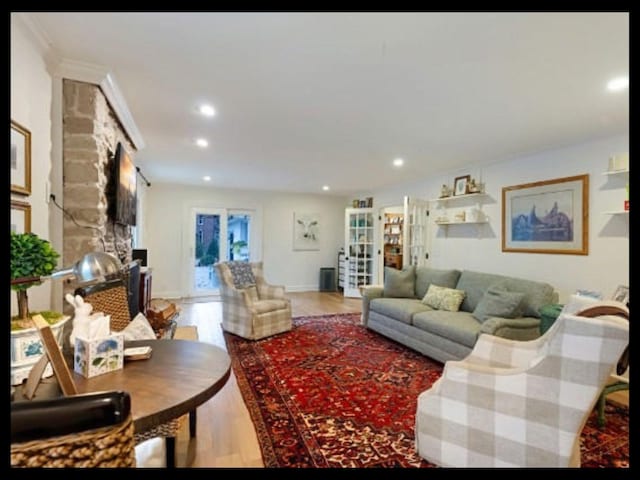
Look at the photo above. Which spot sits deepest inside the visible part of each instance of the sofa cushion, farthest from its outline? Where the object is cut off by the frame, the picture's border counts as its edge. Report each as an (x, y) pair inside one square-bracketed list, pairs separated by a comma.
[(426, 276), (474, 285), (497, 302), (401, 309), (271, 305), (399, 283), (536, 294), (459, 327), (442, 298)]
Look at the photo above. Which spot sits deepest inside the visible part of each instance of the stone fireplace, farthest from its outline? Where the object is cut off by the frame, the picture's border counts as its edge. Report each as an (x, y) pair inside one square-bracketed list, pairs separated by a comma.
[(91, 131)]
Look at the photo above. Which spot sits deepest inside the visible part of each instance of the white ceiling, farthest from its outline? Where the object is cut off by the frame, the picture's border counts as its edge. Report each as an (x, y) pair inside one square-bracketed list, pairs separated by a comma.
[(307, 99)]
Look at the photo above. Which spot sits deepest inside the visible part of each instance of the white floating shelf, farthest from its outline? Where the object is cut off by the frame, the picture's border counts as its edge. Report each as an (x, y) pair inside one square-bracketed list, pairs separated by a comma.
[(616, 172), (462, 223), (457, 197), (617, 212)]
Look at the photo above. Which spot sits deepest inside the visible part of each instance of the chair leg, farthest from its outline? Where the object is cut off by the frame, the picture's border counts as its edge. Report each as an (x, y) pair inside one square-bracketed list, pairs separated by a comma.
[(192, 423), (601, 403), (170, 446)]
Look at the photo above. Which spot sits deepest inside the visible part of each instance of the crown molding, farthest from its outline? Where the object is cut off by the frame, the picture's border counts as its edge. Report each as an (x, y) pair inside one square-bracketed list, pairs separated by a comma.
[(39, 36), (101, 76)]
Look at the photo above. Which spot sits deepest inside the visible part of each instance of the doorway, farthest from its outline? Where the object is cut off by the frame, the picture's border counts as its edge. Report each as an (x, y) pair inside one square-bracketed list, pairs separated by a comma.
[(218, 234)]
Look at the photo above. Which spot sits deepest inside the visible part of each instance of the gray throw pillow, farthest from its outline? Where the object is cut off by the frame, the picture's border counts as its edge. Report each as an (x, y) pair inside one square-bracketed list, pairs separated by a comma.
[(242, 274), (399, 283), (498, 303)]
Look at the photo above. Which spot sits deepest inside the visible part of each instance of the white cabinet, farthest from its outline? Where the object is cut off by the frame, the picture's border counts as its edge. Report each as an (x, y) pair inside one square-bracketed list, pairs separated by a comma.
[(460, 209), (360, 225)]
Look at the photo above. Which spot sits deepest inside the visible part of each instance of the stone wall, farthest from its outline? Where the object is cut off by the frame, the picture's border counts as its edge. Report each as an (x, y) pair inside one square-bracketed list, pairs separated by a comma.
[(91, 132)]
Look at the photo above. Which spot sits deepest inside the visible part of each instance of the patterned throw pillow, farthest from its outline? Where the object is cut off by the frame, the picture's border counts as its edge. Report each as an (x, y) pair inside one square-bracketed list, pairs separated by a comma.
[(442, 298), (242, 274)]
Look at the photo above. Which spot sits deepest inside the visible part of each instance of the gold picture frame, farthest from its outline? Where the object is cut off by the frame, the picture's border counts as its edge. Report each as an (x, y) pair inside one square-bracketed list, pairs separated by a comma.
[(20, 159), (550, 216), (20, 217)]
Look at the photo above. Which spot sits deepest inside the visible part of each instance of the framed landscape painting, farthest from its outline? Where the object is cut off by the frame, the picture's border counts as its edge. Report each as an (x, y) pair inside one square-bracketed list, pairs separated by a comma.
[(551, 216)]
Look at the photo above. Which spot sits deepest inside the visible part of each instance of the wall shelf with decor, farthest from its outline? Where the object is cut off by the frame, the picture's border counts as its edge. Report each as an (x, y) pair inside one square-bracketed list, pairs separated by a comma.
[(617, 177), (463, 209)]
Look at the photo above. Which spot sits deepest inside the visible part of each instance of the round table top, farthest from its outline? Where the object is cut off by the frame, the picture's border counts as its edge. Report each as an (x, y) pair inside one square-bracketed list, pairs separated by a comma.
[(179, 376)]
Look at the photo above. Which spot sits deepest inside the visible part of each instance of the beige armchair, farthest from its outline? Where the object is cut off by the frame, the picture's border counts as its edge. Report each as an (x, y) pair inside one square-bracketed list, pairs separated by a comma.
[(251, 308), (521, 404)]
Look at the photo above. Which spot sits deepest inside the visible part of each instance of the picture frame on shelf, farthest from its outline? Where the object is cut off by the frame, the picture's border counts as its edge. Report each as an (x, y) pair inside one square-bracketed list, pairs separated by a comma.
[(550, 216), (621, 294), (20, 217), (460, 185), (20, 159)]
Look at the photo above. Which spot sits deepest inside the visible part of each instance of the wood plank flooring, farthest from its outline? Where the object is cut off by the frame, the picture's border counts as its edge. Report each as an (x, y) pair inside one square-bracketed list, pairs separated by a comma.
[(225, 434)]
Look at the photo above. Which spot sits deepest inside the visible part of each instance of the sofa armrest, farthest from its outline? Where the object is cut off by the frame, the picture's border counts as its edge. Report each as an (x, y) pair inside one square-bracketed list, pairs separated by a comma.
[(523, 328), (369, 293)]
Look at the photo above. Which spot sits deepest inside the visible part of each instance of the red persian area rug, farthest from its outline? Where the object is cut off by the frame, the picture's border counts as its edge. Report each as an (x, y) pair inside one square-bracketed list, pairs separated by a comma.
[(331, 393)]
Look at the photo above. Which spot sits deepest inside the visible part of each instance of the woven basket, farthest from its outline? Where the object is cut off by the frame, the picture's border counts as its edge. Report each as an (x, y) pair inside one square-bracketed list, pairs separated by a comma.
[(111, 446), (112, 301)]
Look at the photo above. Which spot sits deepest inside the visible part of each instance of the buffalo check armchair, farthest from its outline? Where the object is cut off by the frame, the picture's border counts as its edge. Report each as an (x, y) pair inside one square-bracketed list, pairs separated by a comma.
[(251, 308), (520, 404)]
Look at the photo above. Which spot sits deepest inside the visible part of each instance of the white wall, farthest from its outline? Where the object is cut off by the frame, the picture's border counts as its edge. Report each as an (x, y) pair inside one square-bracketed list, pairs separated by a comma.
[(31, 87), (169, 205), (467, 247)]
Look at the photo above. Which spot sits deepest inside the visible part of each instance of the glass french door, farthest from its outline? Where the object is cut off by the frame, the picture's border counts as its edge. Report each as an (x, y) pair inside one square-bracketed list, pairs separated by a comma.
[(218, 234)]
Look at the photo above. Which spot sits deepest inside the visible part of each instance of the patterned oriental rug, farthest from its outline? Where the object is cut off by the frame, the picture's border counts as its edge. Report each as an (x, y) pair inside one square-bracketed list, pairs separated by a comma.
[(331, 393)]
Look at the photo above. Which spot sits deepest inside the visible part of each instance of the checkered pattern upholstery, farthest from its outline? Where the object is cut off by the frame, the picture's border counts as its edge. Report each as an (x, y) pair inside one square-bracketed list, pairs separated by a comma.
[(520, 404), (253, 312)]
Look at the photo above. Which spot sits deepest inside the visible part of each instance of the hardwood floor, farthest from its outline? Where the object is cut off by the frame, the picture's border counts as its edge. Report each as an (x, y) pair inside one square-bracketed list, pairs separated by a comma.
[(225, 434)]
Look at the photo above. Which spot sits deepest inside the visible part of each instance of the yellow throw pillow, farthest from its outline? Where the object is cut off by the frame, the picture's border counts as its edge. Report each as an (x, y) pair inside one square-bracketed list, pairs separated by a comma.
[(442, 298)]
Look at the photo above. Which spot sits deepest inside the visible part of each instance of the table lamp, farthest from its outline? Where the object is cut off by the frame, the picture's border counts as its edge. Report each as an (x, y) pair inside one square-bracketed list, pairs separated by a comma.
[(92, 266)]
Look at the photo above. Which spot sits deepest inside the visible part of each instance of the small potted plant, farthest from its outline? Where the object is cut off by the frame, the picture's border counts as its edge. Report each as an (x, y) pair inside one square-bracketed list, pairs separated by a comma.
[(31, 257)]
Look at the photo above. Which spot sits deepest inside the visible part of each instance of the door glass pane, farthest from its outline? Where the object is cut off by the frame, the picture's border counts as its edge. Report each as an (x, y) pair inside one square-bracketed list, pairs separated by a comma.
[(207, 251), (238, 236)]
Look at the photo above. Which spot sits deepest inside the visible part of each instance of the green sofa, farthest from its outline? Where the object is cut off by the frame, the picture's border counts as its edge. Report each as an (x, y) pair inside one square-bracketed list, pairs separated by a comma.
[(495, 304)]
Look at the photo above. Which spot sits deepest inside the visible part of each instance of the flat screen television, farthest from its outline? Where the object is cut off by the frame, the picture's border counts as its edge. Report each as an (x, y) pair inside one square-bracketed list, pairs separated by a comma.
[(122, 202)]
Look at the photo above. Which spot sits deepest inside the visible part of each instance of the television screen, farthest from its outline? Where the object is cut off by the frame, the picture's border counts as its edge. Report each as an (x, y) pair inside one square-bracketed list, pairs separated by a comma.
[(123, 198)]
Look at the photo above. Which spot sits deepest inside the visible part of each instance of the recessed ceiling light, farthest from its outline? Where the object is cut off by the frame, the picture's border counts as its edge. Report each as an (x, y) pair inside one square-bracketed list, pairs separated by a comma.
[(202, 142), (618, 83), (325, 187), (206, 178), (207, 110), (398, 162)]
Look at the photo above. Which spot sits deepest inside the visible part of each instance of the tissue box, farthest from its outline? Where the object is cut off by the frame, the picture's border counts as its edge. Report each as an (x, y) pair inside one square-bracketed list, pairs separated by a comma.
[(99, 355)]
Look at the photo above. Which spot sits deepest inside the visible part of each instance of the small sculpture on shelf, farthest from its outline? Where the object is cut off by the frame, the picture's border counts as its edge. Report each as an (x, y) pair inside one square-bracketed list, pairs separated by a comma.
[(473, 187), (445, 191)]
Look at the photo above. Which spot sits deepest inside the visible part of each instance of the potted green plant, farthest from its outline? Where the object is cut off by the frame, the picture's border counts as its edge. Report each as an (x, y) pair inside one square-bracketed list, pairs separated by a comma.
[(31, 258)]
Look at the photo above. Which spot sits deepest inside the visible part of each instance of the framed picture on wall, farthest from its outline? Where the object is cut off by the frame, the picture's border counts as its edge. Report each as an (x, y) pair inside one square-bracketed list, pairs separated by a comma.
[(20, 217), (306, 231), (551, 216), (20, 159)]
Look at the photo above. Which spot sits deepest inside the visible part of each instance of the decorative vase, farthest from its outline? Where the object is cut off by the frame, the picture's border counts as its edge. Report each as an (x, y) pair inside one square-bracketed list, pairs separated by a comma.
[(27, 348)]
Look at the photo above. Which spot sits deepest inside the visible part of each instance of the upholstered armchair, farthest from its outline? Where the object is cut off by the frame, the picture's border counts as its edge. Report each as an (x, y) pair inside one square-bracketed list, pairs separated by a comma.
[(251, 308), (521, 404)]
